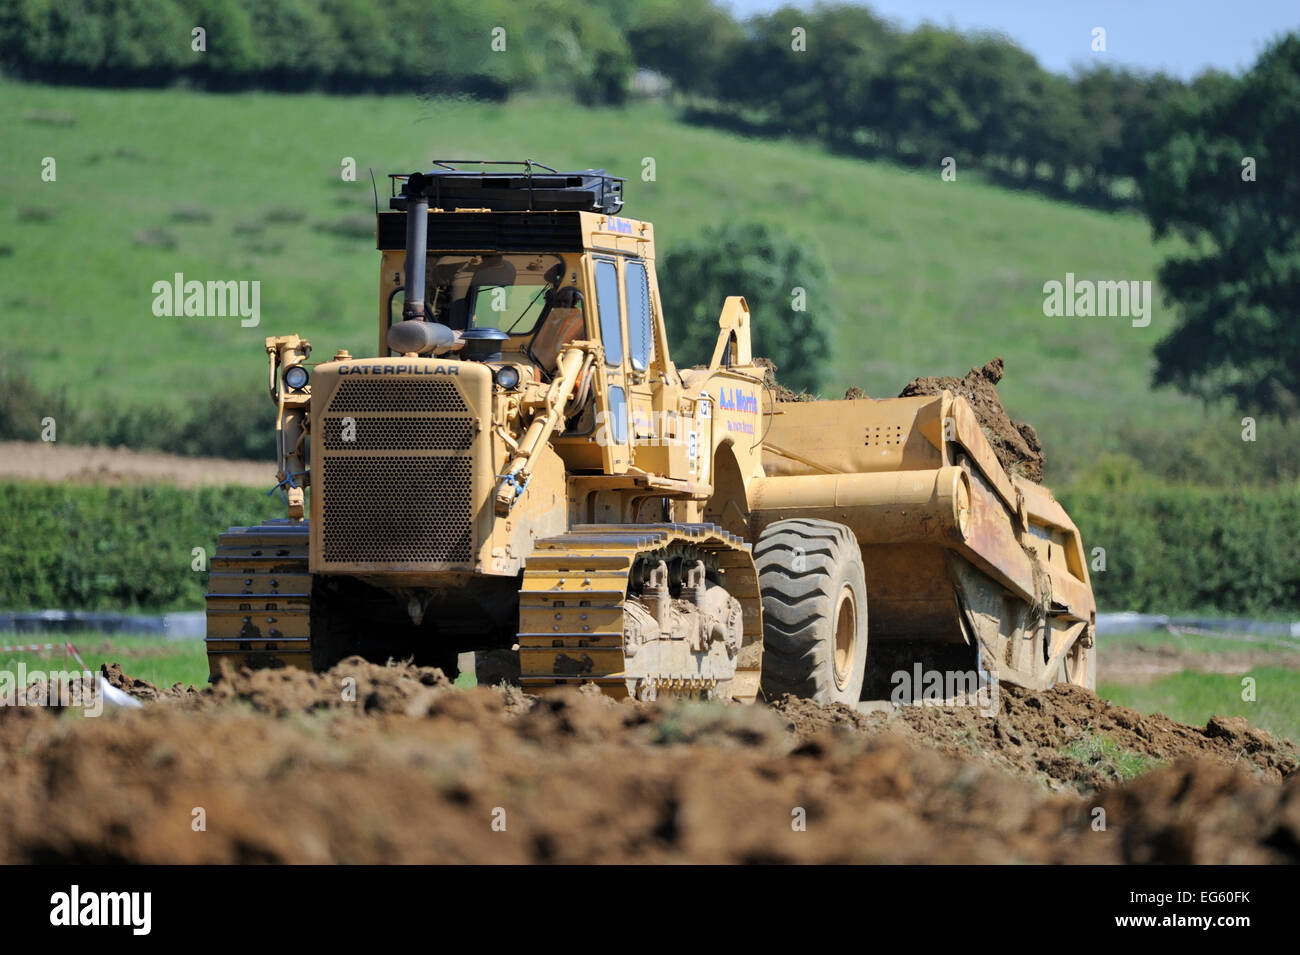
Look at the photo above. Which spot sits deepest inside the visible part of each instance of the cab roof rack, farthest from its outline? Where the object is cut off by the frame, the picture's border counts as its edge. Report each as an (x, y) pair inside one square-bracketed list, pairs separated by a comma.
[(450, 187)]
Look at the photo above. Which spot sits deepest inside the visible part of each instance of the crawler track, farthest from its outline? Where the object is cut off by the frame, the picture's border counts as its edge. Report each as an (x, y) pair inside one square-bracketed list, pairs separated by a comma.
[(259, 598), (574, 597)]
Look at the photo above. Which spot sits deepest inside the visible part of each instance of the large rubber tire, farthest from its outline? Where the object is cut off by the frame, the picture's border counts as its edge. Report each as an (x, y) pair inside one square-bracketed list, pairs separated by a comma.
[(814, 611)]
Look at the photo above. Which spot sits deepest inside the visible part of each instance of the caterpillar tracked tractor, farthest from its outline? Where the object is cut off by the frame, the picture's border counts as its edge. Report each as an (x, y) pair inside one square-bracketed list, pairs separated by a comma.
[(521, 472)]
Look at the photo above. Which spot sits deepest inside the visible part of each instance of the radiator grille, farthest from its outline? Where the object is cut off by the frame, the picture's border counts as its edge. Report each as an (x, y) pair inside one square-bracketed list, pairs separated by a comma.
[(394, 509), (396, 394), (403, 434)]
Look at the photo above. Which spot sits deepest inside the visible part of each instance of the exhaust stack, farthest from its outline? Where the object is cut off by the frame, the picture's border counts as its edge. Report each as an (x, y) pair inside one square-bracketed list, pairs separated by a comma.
[(417, 241)]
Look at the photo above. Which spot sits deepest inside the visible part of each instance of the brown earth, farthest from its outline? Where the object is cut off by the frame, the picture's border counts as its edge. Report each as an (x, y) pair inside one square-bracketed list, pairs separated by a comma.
[(1030, 730), (779, 391), (39, 461), (392, 764), (1137, 664), (1015, 442)]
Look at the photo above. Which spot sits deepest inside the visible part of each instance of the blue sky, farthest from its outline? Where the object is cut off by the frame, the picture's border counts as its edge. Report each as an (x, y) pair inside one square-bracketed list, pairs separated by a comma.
[(1181, 37)]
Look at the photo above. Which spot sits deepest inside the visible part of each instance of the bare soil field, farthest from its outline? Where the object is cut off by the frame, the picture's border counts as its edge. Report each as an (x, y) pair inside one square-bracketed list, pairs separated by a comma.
[(1137, 664), (369, 764), (39, 461)]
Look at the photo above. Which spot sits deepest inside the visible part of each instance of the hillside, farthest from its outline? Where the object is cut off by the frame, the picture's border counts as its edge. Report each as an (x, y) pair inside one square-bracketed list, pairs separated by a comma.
[(931, 277)]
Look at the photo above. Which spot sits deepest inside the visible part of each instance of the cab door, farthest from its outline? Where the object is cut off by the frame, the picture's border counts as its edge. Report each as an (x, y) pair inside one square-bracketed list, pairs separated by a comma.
[(613, 418), (645, 379)]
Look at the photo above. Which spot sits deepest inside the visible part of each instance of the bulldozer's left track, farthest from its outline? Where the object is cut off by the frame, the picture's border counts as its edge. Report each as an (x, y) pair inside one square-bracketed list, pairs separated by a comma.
[(571, 606), (259, 598), (573, 601)]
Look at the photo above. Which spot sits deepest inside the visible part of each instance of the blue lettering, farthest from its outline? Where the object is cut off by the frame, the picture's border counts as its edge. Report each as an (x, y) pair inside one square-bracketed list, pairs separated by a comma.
[(733, 399)]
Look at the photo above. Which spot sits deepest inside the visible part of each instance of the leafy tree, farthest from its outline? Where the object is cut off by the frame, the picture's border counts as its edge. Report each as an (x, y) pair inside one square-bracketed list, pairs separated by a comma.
[(300, 43), (586, 54), (1062, 128), (930, 113), (163, 48), (1119, 111), (234, 53), (1001, 85), (370, 50), (826, 85), (768, 267), (685, 40), (1238, 284)]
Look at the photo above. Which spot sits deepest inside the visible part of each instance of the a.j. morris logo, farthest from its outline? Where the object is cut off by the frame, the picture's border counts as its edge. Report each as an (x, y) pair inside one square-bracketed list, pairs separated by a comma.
[(733, 399)]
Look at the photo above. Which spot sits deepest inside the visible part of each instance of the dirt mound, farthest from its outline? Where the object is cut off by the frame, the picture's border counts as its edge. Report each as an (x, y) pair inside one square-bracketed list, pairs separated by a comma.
[(143, 689), (371, 764), (1196, 813), (1071, 739), (779, 391), (1065, 738), (806, 718), (577, 779), (1015, 443), (353, 684)]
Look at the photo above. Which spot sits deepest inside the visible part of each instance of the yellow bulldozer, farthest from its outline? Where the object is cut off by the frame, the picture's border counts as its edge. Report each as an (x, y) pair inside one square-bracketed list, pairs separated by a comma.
[(521, 472)]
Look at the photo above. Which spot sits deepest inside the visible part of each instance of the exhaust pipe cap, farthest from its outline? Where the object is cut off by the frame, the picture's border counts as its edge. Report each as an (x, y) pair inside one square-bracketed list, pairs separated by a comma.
[(419, 337)]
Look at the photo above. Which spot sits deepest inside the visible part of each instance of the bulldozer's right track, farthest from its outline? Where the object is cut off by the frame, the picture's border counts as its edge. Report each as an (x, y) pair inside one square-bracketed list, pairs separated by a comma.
[(259, 598), (573, 597)]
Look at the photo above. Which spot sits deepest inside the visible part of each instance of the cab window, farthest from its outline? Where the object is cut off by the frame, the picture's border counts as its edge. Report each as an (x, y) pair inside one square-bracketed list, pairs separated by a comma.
[(508, 292), (611, 324), (639, 337)]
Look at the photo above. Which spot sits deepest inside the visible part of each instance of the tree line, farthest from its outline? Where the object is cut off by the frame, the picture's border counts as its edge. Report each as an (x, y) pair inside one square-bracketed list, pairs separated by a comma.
[(864, 86), (836, 72), (482, 48)]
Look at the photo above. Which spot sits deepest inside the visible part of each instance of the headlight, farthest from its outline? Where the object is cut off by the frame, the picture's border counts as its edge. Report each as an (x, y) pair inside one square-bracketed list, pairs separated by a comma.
[(295, 377), (507, 377)]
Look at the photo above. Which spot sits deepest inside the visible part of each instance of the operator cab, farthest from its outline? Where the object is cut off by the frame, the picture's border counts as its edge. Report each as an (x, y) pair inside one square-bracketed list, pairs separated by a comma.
[(482, 281), (506, 268), (519, 296)]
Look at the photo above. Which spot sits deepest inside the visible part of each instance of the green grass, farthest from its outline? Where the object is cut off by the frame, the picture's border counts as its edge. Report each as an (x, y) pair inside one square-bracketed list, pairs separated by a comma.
[(161, 662), (1097, 751), (1192, 697), (930, 277)]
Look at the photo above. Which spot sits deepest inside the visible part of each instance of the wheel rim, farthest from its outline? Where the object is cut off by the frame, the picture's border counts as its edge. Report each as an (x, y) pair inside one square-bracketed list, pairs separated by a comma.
[(1076, 665), (845, 646)]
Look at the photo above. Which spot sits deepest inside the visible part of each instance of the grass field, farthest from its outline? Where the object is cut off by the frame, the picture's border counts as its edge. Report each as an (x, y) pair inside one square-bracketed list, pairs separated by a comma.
[(161, 662), (930, 277), (1192, 697)]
